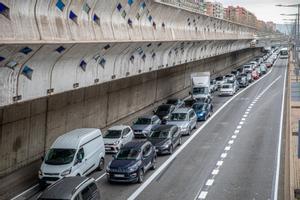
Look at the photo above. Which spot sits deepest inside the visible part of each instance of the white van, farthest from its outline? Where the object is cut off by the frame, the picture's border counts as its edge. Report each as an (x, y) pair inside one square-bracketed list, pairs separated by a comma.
[(76, 153)]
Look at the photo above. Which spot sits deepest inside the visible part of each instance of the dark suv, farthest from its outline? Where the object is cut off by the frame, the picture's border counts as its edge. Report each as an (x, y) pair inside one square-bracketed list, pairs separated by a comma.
[(164, 111), (133, 160)]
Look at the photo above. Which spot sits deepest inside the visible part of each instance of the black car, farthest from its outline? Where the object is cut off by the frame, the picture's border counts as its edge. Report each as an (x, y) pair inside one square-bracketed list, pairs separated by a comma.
[(165, 138), (176, 102), (243, 82), (132, 161), (164, 111)]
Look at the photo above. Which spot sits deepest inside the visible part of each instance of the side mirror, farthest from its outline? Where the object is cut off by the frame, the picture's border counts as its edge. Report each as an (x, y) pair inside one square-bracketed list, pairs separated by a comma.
[(190, 93), (42, 158)]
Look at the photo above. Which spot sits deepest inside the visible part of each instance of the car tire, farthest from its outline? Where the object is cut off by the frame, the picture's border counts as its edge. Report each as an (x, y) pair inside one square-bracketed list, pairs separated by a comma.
[(189, 131), (101, 164), (171, 150), (153, 167), (140, 176), (180, 141)]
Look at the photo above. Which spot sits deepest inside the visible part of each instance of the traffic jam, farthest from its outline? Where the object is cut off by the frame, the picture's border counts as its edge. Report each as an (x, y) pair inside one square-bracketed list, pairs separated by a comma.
[(135, 147)]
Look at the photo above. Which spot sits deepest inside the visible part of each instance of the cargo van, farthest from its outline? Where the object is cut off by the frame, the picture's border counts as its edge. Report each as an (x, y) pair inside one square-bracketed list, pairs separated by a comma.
[(76, 153)]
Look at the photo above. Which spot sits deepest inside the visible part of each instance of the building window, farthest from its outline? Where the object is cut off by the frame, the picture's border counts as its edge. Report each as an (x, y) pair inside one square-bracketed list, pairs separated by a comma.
[(60, 5), (102, 62), (4, 10)]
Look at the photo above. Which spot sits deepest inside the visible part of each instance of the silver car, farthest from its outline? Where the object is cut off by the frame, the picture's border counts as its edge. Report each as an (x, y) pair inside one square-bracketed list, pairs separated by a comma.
[(185, 119), (116, 137), (142, 126)]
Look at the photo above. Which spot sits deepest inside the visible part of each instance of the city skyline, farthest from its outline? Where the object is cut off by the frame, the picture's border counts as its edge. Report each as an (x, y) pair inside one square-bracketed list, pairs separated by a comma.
[(264, 10)]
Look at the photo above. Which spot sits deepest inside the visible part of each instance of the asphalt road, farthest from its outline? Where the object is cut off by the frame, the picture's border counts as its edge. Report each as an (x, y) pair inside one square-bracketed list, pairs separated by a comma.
[(216, 162)]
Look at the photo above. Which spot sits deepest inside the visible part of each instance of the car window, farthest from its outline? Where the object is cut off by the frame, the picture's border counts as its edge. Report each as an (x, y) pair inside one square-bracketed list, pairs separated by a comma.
[(192, 114), (126, 131), (147, 150), (80, 154)]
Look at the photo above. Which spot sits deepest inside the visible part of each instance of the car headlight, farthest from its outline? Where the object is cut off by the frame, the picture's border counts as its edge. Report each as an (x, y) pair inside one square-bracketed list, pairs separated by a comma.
[(117, 142), (66, 172), (201, 114), (146, 132), (184, 128), (108, 168), (166, 117), (40, 173), (166, 144), (134, 167)]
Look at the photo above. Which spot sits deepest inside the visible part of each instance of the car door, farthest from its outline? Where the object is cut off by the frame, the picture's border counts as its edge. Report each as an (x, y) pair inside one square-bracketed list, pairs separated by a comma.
[(81, 164), (90, 192), (193, 119), (175, 135), (147, 156), (126, 136)]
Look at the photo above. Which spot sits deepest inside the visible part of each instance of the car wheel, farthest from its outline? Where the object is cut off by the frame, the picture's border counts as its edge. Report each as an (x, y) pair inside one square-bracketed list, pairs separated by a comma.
[(153, 167), (180, 141), (101, 164), (189, 131), (171, 149), (141, 176)]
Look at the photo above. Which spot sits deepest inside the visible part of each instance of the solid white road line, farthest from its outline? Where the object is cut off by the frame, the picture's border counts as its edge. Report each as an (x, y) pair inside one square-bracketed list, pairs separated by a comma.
[(275, 196), (140, 189), (28, 190)]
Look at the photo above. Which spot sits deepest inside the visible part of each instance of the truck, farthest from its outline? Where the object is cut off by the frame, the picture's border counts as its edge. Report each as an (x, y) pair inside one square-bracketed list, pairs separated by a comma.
[(200, 85)]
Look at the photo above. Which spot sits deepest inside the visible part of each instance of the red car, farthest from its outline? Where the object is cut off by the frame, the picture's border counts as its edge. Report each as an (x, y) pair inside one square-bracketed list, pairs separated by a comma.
[(268, 64), (255, 75)]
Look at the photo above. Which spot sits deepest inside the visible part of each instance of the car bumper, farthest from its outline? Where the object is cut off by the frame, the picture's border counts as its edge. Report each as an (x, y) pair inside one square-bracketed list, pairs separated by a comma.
[(201, 118), (45, 181), (139, 135), (226, 93), (162, 150), (111, 149), (122, 177)]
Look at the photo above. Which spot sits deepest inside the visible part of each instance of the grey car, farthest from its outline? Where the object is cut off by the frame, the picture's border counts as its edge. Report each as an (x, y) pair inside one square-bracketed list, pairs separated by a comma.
[(72, 188), (185, 119), (142, 126)]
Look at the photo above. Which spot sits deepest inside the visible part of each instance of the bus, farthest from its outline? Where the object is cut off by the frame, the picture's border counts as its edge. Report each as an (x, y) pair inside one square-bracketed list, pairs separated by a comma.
[(283, 54)]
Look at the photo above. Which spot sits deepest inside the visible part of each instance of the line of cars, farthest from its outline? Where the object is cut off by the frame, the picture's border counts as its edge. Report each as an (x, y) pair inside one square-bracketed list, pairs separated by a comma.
[(229, 84), (79, 152)]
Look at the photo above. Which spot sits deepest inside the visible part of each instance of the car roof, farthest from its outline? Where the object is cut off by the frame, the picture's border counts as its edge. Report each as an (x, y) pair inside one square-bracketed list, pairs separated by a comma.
[(64, 188), (147, 116), (163, 127), (73, 138), (182, 110), (118, 127), (135, 144)]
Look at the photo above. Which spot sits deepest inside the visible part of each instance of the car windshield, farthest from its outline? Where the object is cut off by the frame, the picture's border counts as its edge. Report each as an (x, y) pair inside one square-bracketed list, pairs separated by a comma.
[(200, 90), (127, 154), (172, 101), (179, 117), (113, 134), (198, 107), (141, 121), (163, 108), (220, 78), (227, 86), (160, 134), (60, 156)]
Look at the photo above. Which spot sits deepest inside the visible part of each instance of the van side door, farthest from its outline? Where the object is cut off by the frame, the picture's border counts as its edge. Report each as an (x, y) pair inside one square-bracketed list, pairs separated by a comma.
[(147, 156)]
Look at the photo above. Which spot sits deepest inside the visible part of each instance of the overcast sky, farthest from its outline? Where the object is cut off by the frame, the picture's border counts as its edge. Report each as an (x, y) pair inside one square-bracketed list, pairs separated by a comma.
[(265, 9)]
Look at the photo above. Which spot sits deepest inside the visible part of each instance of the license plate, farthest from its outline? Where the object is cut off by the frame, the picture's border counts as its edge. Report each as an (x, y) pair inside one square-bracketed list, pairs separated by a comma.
[(119, 175)]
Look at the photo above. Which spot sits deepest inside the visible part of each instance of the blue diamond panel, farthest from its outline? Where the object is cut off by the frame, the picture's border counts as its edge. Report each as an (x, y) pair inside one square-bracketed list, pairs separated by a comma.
[(60, 5), (27, 71), (26, 50), (60, 49), (130, 2), (3, 8), (119, 7), (72, 16)]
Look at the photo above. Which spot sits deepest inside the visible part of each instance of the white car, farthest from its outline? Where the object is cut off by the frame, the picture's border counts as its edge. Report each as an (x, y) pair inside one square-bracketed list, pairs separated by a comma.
[(116, 137), (219, 81), (76, 153), (230, 78), (247, 68), (213, 86), (228, 89)]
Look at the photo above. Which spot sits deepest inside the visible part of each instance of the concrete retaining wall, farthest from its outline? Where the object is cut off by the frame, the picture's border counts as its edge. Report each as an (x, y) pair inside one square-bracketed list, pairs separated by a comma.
[(28, 129)]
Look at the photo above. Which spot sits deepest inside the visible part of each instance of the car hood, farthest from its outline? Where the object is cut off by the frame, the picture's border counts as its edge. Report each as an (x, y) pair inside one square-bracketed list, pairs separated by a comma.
[(121, 164), (110, 140), (53, 169), (162, 113), (179, 123), (200, 111), (142, 127), (157, 141)]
